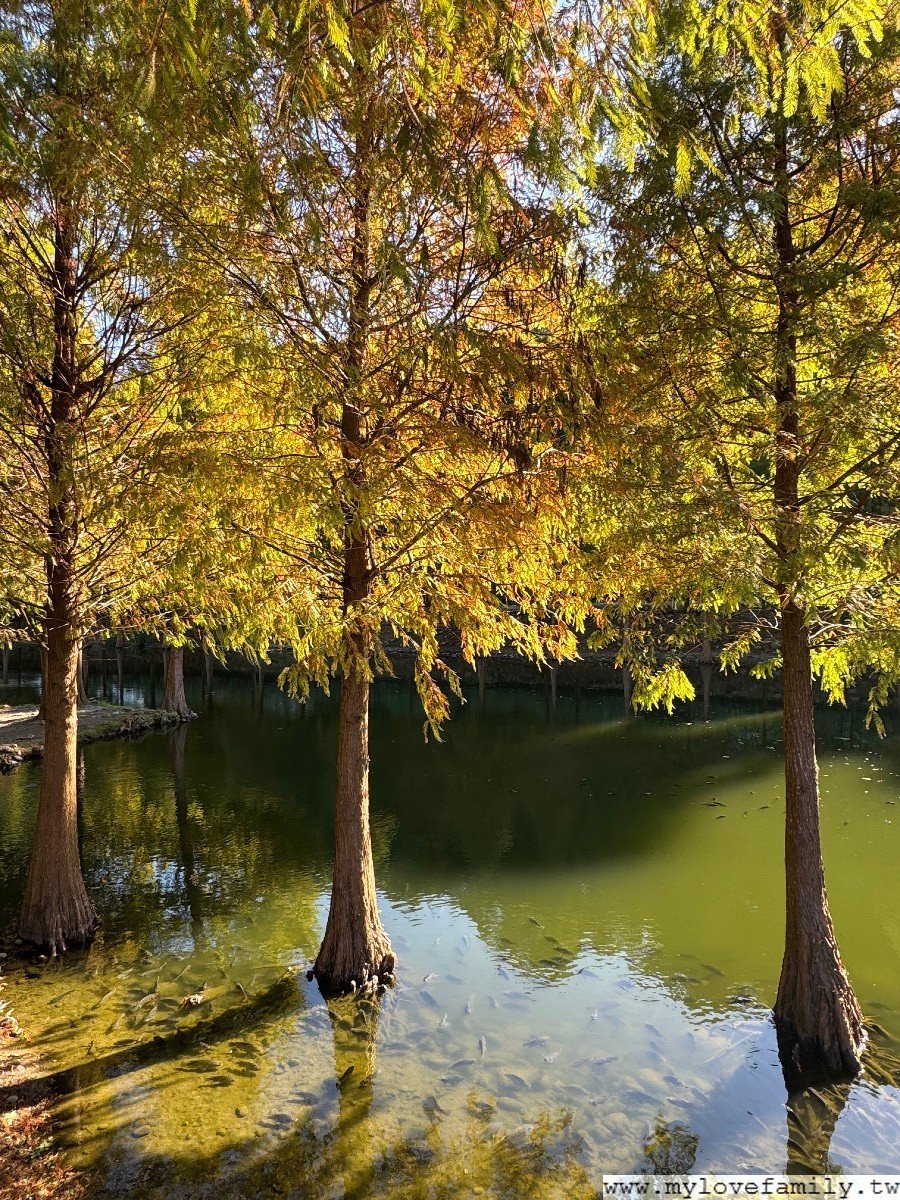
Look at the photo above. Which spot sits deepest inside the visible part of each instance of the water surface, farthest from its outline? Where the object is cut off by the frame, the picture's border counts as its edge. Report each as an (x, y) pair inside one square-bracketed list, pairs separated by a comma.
[(588, 918)]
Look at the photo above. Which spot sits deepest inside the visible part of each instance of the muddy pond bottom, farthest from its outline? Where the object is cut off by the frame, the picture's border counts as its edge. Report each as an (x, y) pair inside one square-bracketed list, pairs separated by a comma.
[(587, 914)]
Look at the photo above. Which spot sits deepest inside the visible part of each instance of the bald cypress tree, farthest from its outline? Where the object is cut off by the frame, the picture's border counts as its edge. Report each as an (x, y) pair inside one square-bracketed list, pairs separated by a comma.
[(755, 299)]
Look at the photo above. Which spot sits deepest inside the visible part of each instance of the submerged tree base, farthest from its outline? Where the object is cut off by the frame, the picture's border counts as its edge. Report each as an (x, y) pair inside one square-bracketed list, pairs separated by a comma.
[(55, 925), (347, 964), (821, 1035)]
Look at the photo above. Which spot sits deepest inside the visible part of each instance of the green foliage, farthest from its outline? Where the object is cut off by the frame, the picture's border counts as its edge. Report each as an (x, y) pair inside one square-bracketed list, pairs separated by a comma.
[(745, 321)]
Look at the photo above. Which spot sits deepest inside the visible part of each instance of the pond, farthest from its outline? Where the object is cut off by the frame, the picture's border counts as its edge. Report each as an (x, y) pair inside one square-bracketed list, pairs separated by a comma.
[(587, 913)]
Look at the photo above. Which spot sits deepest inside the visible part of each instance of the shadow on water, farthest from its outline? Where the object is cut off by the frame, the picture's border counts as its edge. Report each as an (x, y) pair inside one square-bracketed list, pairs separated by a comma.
[(280, 997), (332, 1142)]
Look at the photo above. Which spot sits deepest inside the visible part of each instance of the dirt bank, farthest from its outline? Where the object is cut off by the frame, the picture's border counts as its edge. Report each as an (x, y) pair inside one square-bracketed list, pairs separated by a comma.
[(22, 732)]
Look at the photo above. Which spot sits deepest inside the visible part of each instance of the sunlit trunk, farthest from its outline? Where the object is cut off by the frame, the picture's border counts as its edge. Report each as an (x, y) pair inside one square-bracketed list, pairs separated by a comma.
[(355, 951), (819, 1023), (56, 910), (818, 1018)]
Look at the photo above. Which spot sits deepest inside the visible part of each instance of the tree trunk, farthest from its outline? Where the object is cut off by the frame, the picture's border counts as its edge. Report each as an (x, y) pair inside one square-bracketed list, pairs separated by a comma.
[(355, 951), (174, 699), (818, 1018), (819, 1023), (57, 911)]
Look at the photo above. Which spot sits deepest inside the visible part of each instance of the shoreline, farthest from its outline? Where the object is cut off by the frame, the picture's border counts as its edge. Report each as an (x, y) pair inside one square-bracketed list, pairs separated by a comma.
[(22, 733)]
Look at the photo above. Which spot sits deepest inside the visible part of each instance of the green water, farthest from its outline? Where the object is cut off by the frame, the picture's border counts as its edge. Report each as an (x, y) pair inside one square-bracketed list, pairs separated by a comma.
[(588, 918)]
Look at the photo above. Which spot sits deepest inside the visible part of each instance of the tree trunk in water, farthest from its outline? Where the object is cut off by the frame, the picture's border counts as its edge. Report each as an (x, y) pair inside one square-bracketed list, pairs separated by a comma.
[(819, 1023), (174, 699), (355, 951), (820, 1026), (57, 911)]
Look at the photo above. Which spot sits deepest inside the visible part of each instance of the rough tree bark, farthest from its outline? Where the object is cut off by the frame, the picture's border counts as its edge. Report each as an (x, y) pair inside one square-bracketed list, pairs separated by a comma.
[(56, 911), (819, 1023), (356, 951), (820, 1026), (174, 699)]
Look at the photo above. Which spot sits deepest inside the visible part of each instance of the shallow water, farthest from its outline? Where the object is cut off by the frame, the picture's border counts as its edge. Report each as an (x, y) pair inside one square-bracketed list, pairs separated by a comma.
[(588, 918)]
